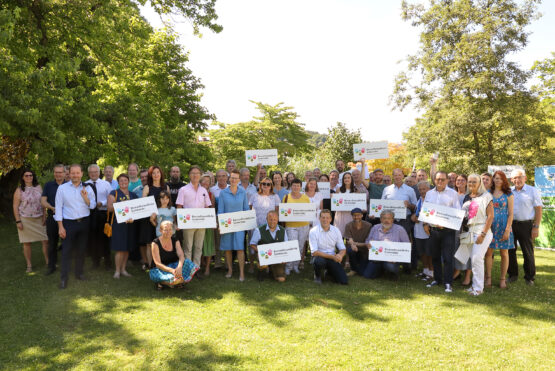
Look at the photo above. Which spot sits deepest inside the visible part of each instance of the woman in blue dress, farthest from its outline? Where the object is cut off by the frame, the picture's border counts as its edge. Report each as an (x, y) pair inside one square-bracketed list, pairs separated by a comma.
[(123, 234), (233, 199), (502, 234)]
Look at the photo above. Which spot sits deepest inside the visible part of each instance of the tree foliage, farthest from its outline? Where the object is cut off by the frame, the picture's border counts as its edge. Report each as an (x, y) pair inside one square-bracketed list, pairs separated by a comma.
[(276, 128), (339, 143), (477, 108)]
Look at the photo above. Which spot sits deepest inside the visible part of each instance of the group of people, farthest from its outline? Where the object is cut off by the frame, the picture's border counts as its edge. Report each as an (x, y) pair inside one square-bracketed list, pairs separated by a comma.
[(81, 214)]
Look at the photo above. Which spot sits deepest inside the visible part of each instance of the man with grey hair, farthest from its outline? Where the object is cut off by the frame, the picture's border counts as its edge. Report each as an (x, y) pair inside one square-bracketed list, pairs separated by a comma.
[(230, 165), (109, 176), (98, 244), (245, 176), (316, 173), (385, 231), (526, 223)]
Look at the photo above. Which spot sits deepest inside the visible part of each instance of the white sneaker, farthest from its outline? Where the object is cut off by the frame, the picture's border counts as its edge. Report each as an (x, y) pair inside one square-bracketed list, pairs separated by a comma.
[(432, 284), (448, 288)]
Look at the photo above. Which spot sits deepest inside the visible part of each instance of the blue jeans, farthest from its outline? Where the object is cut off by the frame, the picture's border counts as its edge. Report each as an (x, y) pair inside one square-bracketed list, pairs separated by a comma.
[(357, 260), (374, 269), (333, 267)]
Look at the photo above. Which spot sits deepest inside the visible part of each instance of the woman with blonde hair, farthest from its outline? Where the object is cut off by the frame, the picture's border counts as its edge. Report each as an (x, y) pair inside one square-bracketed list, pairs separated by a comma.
[(476, 234)]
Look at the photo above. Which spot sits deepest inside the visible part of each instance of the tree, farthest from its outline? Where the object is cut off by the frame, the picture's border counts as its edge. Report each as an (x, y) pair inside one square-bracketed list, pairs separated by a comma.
[(476, 103), (81, 80), (398, 159), (339, 144), (276, 128)]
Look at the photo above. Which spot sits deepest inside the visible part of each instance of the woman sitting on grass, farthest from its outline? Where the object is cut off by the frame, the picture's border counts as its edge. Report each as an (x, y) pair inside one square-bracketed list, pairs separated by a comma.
[(170, 268)]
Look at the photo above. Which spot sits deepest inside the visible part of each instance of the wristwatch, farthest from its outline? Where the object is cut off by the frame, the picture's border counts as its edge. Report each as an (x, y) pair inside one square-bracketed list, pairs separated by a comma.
[(535, 226)]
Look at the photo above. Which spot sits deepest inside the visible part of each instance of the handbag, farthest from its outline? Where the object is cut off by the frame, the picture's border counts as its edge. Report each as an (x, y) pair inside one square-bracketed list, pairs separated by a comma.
[(108, 225)]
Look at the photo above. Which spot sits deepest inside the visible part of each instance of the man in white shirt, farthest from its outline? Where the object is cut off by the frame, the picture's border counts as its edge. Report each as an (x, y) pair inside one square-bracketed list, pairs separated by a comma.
[(99, 244), (401, 192), (526, 223), (442, 239), (324, 239)]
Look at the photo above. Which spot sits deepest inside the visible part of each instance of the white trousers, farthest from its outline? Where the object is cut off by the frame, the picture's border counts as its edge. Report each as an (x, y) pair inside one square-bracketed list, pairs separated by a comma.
[(477, 259), (300, 234)]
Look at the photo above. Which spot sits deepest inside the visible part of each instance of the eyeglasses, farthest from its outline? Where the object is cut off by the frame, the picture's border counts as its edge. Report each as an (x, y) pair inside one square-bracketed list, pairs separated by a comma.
[(26, 175), (266, 184)]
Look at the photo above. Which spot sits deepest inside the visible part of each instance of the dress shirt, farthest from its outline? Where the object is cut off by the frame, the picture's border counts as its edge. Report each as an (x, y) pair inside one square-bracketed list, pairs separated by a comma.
[(256, 235), (403, 193), (70, 204), (114, 184), (189, 197), (448, 197), (325, 241), (251, 190), (525, 200), (103, 189), (215, 190), (395, 234)]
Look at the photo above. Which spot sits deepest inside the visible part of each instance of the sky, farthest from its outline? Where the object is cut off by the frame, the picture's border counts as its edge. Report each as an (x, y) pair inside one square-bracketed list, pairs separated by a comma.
[(331, 60)]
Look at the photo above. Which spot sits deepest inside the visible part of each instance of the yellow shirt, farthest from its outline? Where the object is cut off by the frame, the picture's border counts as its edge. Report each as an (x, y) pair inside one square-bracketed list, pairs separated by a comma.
[(301, 200)]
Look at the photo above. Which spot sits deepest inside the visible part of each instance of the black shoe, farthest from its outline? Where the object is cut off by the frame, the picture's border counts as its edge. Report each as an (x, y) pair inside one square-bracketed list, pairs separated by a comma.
[(63, 284), (50, 271), (260, 275), (317, 280), (530, 282), (512, 279), (81, 277)]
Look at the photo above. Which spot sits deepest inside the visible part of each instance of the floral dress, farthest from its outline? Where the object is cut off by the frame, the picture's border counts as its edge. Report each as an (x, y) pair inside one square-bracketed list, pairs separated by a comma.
[(500, 216)]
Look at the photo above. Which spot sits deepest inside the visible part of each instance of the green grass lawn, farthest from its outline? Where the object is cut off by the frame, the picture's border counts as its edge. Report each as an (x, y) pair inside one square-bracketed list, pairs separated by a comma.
[(220, 324)]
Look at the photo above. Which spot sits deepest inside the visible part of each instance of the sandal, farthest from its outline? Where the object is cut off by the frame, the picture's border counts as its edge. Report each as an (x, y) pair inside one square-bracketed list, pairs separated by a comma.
[(475, 293), (502, 284), (158, 286), (29, 269)]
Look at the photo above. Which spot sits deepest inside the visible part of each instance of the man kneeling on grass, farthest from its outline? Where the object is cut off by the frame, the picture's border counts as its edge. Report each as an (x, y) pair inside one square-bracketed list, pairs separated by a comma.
[(265, 234), (385, 231), (324, 239), (170, 268)]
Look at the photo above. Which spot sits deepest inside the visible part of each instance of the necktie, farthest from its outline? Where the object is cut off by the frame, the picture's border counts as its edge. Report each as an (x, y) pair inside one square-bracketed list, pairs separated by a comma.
[(95, 192)]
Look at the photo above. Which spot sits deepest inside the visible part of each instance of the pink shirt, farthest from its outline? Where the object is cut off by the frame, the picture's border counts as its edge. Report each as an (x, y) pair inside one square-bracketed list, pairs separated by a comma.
[(188, 197)]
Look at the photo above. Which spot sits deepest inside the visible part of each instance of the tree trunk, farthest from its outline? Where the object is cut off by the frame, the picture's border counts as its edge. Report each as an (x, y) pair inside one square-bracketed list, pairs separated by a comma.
[(8, 184)]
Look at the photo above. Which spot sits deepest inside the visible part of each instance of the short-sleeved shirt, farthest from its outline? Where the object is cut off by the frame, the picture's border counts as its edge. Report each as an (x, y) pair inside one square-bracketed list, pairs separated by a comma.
[(325, 241), (375, 191), (524, 202), (49, 191), (395, 234), (174, 189), (358, 235), (189, 197), (262, 204)]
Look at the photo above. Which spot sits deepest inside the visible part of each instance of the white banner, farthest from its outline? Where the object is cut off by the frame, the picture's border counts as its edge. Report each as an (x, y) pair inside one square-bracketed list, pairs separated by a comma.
[(397, 206), (371, 150), (507, 169), (237, 221), (279, 252), (196, 218), (348, 201), (323, 188), (396, 252), (293, 212), (138, 208), (442, 216), (261, 156)]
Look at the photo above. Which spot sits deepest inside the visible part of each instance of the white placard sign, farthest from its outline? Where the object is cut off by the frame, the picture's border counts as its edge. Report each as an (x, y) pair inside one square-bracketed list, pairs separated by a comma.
[(293, 212), (138, 208), (507, 169), (443, 216), (397, 252), (237, 221), (261, 156), (196, 218), (279, 252), (323, 188), (397, 206), (371, 150), (348, 201)]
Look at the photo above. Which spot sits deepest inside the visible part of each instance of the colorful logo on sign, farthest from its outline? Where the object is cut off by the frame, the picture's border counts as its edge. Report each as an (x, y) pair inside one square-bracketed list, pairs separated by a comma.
[(359, 151), (184, 218), (123, 212), (338, 202), (266, 254), (225, 223), (377, 208), (285, 212), (251, 157), (376, 250), (428, 212)]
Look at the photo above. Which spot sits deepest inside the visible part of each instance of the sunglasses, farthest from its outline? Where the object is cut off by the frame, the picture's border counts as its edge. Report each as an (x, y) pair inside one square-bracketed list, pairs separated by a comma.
[(266, 184)]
